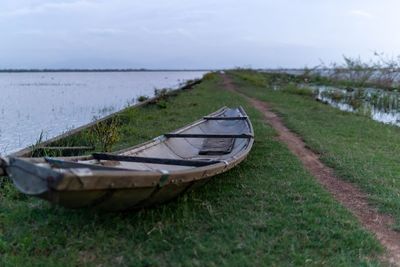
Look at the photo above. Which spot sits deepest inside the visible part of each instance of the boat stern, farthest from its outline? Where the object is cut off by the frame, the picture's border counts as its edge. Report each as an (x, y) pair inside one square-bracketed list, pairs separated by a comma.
[(30, 178)]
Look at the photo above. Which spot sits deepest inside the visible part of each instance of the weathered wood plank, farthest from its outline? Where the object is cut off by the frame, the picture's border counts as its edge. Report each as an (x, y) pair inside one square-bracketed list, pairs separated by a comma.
[(225, 118), (178, 135), (164, 161), (63, 164)]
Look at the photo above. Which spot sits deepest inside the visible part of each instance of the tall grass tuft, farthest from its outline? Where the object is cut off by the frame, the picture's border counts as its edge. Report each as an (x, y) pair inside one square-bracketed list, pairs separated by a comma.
[(105, 133)]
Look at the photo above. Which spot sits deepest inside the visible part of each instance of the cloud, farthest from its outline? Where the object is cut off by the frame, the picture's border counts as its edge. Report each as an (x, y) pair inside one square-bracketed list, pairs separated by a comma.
[(105, 31), (361, 13), (48, 6), (31, 32), (159, 33), (169, 31)]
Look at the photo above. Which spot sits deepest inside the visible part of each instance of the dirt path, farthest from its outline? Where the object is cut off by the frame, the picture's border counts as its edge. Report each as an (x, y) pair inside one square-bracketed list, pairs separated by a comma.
[(346, 193)]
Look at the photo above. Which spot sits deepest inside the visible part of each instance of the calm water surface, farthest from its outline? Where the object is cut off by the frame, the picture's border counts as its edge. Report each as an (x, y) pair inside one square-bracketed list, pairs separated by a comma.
[(52, 103)]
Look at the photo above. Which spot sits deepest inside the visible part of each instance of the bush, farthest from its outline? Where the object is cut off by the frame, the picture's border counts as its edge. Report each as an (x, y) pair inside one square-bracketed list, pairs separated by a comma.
[(209, 76), (161, 93), (142, 98)]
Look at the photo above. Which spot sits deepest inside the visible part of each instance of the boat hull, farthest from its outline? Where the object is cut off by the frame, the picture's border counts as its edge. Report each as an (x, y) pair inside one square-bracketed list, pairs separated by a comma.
[(84, 182)]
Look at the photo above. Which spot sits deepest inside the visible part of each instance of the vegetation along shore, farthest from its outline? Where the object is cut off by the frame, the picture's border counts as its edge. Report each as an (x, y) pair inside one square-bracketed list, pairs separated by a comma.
[(270, 210)]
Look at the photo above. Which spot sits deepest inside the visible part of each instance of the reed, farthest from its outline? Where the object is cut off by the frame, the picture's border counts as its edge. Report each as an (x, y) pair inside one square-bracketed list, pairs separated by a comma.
[(381, 71)]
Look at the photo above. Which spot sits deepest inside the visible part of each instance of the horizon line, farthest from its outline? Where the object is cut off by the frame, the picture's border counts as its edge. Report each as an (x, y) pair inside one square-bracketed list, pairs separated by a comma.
[(14, 70), (94, 69)]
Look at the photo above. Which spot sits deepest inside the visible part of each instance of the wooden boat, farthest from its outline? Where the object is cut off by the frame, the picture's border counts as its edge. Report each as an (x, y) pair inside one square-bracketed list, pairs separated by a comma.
[(140, 176)]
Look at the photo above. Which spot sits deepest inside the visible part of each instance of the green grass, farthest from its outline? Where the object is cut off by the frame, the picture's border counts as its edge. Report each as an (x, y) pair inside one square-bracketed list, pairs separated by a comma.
[(268, 211), (292, 88), (359, 149)]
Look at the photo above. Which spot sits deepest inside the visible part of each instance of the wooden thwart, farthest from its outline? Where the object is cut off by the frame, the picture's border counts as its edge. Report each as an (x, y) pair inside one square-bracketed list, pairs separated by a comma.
[(164, 161), (225, 118), (63, 164), (177, 135)]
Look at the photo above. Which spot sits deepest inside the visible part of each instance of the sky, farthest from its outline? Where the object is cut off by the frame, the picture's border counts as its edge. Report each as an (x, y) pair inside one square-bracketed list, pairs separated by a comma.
[(193, 34)]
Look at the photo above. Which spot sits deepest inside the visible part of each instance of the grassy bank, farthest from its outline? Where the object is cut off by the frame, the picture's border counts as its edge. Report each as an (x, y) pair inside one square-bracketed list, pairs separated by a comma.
[(267, 211), (359, 149)]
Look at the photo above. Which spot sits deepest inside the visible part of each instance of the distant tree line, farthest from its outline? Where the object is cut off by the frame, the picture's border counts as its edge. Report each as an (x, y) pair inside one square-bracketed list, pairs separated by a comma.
[(98, 70)]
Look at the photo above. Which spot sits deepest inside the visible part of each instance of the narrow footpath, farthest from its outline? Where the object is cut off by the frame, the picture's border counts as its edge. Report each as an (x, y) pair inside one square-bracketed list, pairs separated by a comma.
[(346, 193)]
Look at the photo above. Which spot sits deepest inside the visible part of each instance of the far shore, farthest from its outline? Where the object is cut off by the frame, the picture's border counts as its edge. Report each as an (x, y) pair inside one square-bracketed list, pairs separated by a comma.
[(98, 70)]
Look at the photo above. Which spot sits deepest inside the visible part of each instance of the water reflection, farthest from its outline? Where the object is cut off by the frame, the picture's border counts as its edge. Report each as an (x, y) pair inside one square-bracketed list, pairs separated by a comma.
[(380, 105)]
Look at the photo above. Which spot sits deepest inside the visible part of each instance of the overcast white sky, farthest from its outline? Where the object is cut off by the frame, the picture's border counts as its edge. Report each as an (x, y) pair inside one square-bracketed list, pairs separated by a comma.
[(193, 33)]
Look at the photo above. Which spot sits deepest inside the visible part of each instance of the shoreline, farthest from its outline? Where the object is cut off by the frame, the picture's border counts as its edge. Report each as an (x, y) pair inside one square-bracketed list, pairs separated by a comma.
[(25, 152)]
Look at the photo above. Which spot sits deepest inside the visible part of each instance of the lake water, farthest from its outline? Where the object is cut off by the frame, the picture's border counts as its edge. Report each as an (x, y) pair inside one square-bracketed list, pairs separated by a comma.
[(53, 102)]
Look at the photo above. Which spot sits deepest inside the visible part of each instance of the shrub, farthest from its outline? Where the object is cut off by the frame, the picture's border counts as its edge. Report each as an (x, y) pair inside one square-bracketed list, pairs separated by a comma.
[(209, 76), (142, 98), (105, 133)]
